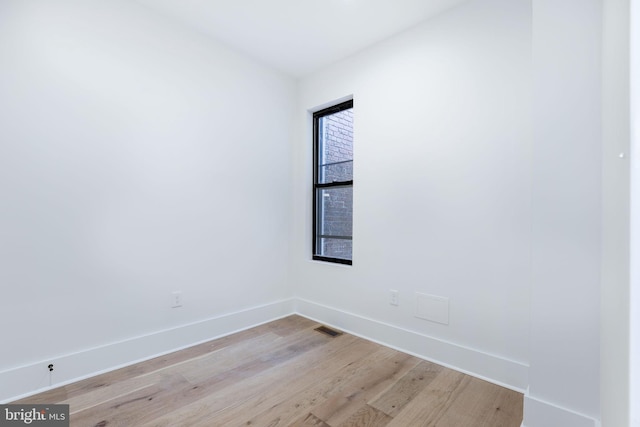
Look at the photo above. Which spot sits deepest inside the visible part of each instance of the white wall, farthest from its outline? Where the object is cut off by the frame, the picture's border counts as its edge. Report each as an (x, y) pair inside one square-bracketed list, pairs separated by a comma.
[(567, 201), (442, 189), (634, 335), (136, 158), (614, 333)]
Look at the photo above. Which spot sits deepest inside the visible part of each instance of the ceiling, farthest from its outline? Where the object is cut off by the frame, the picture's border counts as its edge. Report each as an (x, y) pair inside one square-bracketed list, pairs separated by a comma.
[(300, 36)]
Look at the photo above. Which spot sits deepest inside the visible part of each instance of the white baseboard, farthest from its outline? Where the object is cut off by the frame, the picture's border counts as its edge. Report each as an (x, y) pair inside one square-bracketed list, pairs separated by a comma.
[(34, 378), (538, 413), (492, 368)]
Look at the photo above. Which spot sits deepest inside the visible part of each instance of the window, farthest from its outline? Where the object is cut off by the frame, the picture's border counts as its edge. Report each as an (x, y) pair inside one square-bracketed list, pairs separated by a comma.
[(333, 183)]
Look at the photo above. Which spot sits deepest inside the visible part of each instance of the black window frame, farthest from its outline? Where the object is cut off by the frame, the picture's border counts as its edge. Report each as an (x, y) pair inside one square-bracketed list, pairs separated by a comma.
[(318, 187)]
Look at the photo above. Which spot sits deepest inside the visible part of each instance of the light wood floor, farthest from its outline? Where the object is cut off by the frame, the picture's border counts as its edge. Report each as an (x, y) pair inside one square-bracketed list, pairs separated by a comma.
[(285, 373)]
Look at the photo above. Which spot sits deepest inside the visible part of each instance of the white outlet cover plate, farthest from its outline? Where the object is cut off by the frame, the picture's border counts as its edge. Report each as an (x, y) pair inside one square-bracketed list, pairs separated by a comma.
[(433, 308), (176, 299), (393, 297)]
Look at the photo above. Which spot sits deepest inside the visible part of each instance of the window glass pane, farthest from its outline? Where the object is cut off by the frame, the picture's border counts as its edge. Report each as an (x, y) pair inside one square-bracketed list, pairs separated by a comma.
[(335, 154), (336, 172), (335, 212), (333, 183), (335, 248)]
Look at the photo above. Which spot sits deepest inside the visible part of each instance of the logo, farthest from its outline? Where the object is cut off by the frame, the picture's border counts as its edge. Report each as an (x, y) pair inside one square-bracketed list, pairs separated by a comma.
[(34, 415)]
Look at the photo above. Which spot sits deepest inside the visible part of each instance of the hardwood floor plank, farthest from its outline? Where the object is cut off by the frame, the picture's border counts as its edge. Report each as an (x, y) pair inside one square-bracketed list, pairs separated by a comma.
[(273, 408), (322, 393), (291, 399), (231, 372), (393, 400), (367, 416), (241, 385), (229, 358), (309, 420), (55, 395), (192, 369), (134, 408), (431, 404), (373, 376), (481, 403)]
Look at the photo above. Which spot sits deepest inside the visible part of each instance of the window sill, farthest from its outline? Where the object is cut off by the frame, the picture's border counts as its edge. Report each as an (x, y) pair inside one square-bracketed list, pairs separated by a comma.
[(331, 261)]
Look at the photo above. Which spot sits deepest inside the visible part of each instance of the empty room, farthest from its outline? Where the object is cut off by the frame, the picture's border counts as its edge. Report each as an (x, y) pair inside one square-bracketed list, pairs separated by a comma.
[(341, 213)]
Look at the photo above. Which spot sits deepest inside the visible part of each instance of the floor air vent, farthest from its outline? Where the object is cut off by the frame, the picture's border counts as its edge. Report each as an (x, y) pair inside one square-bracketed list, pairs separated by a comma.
[(328, 331)]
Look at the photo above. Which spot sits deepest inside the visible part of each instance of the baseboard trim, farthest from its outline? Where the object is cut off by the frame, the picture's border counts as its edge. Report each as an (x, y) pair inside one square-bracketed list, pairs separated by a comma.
[(31, 379), (495, 369), (27, 380), (538, 412)]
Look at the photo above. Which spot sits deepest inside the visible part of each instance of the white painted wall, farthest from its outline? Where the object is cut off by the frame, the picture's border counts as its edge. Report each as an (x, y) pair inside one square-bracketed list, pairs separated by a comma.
[(136, 158), (634, 334), (567, 203), (614, 333), (442, 185)]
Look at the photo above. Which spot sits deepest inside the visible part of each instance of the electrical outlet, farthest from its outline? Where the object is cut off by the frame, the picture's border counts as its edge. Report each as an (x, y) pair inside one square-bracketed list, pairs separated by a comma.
[(176, 299), (393, 297)]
